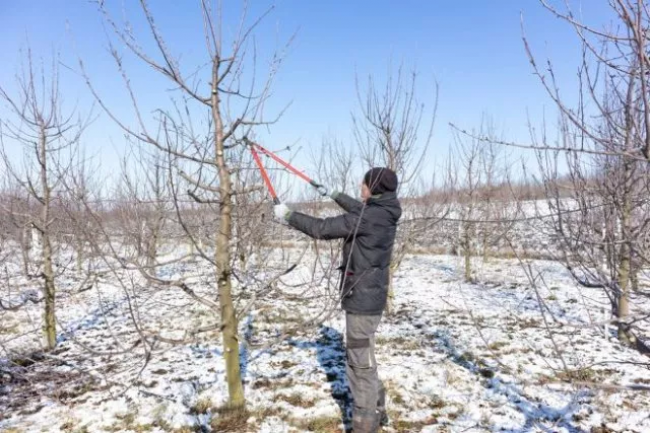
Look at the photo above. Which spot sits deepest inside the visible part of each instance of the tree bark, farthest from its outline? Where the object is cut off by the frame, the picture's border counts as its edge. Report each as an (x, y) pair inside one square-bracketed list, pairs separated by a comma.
[(467, 251), (25, 247), (80, 254), (623, 308), (222, 256), (48, 271), (390, 302)]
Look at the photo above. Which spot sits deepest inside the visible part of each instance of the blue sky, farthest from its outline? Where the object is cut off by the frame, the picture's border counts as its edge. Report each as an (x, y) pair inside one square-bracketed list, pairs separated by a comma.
[(472, 48)]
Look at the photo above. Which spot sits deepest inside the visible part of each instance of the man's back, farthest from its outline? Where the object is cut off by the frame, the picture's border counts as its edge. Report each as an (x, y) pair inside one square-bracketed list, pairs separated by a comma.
[(369, 232), (365, 260)]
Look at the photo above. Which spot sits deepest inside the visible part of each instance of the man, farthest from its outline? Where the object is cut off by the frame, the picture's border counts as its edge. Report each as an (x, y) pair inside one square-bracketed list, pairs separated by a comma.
[(368, 228)]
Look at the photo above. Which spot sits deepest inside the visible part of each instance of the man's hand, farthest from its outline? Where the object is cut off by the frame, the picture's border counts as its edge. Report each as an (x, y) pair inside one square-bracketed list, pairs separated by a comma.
[(326, 192), (282, 213)]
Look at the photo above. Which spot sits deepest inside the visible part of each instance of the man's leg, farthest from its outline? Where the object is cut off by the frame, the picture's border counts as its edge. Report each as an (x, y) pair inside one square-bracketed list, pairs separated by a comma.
[(362, 371)]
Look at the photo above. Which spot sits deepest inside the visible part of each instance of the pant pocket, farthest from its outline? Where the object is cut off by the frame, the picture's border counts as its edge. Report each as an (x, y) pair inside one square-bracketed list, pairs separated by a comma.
[(358, 352)]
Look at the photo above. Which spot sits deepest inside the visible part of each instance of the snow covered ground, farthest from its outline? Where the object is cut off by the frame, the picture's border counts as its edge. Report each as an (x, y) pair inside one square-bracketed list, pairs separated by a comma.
[(454, 356)]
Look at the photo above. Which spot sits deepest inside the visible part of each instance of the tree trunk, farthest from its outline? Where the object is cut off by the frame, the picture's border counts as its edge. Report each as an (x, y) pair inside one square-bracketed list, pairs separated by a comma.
[(222, 256), (467, 252), (48, 271), (152, 252), (152, 243), (25, 247), (623, 308), (48, 275), (390, 302), (80, 256), (486, 248)]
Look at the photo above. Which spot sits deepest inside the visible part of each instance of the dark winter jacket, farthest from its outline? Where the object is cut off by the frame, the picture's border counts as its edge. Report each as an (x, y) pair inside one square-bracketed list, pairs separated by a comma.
[(369, 234)]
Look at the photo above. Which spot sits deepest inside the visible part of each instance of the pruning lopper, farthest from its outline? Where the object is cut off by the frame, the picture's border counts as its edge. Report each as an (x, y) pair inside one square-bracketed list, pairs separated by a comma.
[(256, 149)]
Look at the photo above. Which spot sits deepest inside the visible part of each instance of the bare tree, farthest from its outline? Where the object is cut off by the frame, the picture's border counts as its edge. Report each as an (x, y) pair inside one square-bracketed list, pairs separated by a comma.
[(48, 137), (608, 168), (77, 187), (467, 200), (604, 138), (202, 158), (146, 205)]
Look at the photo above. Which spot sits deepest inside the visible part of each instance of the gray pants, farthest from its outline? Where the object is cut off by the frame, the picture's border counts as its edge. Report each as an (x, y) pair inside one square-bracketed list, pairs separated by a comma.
[(367, 390)]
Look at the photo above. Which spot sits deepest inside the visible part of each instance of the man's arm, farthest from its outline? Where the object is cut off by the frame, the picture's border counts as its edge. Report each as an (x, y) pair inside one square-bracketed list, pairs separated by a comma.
[(346, 202), (339, 227)]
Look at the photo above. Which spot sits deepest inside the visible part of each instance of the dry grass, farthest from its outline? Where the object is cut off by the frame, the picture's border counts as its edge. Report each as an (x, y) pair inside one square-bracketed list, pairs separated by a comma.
[(284, 365), (581, 375), (228, 419), (401, 343), (393, 394), (8, 328), (497, 345), (202, 406), (437, 403), (296, 399), (323, 424), (71, 425), (400, 425), (266, 383)]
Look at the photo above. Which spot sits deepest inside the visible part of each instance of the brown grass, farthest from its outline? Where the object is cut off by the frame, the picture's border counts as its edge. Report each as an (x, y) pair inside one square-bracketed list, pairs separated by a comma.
[(228, 419), (323, 424), (403, 426), (202, 406), (399, 342), (296, 400)]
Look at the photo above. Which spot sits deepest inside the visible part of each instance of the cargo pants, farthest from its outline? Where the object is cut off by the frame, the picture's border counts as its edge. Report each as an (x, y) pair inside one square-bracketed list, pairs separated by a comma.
[(367, 390)]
